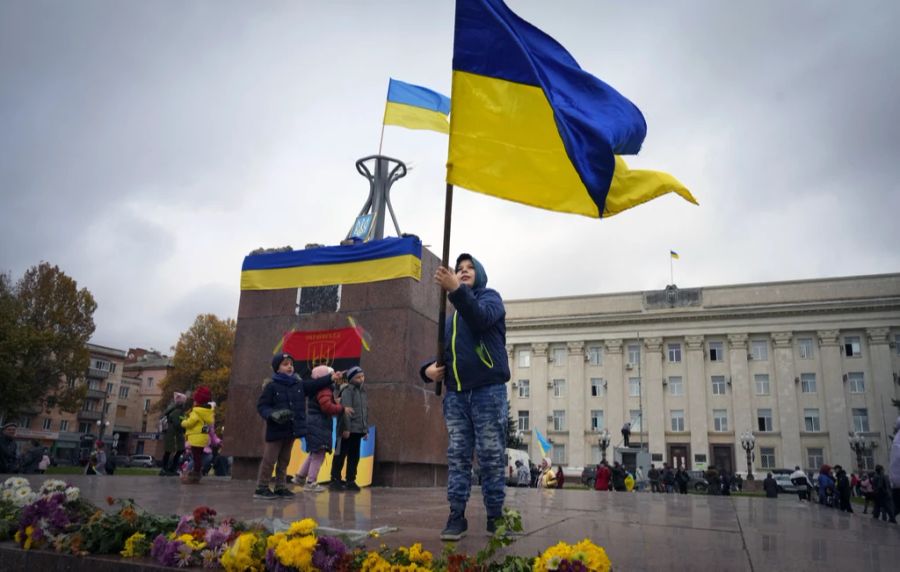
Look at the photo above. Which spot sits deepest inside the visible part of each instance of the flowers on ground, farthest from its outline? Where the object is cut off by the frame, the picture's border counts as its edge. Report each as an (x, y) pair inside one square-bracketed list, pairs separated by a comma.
[(584, 556)]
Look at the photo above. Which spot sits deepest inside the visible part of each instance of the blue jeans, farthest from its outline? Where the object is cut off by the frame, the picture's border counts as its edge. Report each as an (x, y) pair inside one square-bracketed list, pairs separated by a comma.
[(476, 420)]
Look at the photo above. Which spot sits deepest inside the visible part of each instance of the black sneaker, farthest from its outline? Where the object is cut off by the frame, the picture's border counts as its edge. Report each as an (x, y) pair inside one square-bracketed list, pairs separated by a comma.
[(264, 493), (456, 527), (336, 485), (283, 493), (352, 487)]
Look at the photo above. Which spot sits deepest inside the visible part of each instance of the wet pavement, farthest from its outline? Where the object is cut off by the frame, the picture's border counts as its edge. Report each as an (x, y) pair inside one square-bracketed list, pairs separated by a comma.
[(639, 531)]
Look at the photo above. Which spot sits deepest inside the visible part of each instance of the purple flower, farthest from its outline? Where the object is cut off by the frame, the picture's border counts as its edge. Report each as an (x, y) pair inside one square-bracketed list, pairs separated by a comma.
[(185, 525), (329, 551), (215, 537), (274, 565), (164, 551)]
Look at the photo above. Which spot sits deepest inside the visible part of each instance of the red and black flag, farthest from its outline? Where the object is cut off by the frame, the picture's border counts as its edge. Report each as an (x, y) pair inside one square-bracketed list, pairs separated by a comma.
[(339, 349)]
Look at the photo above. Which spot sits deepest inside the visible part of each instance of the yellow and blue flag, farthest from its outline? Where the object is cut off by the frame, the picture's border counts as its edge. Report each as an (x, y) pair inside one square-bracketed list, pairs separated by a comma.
[(673, 254), (416, 107), (543, 442), (393, 257), (529, 125)]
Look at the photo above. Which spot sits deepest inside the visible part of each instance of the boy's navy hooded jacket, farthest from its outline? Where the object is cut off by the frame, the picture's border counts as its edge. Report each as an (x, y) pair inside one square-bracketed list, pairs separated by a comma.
[(287, 392), (475, 352)]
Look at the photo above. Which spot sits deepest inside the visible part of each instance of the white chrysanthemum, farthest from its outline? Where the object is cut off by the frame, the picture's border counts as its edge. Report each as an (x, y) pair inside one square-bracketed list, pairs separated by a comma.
[(7, 494), (23, 496), (16, 483), (72, 494), (53, 486)]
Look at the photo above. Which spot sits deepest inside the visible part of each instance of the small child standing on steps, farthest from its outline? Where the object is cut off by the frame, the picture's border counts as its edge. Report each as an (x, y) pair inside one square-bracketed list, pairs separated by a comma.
[(320, 409)]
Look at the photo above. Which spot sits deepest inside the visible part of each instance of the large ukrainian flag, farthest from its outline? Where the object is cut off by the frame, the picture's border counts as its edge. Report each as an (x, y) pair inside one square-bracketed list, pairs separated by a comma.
[(394, 257), (527, 124)]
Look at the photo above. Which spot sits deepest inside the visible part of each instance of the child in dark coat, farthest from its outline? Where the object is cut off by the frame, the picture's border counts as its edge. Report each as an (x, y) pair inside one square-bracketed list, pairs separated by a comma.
[(352, 429), (320, 410), (283, 405)]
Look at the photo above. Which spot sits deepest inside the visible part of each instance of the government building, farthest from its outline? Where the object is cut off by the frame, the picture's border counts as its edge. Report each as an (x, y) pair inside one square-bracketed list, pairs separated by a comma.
[(806, 366)]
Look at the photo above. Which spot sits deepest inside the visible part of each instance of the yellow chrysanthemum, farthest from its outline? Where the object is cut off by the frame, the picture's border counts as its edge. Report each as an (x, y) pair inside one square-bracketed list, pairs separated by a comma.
[(239, 557), (375, 563), (419, 556), (591, 555), (303, 527), (296, 552), (131, 543), (274, 540)]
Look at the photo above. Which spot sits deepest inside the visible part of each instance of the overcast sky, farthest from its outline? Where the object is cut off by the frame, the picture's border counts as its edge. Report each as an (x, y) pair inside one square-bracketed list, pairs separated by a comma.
[(147, 147)]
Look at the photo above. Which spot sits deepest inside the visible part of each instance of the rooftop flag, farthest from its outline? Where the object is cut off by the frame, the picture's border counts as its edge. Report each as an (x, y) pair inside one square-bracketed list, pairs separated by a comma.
[(673, 254), (416, 107), (529, 125)]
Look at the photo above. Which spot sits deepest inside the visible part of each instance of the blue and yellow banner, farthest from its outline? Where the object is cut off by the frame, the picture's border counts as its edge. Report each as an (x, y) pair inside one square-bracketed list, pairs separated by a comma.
[(543, 442), (416, 107), (673, 254), (529, 125), (364, 470), (386, 259)]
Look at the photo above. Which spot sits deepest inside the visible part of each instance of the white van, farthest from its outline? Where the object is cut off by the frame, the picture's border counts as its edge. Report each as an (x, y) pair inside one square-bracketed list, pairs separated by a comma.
[(513, 455)]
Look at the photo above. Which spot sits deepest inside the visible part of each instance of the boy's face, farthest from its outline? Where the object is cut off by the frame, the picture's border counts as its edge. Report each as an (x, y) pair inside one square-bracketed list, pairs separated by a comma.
[(286, 366), (465, 273), (359, 378)]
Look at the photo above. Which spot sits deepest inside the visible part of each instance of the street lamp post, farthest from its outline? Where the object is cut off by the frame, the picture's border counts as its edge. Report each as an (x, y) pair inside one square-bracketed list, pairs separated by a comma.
[(604, 443), (748, 442), (860, 444), (102, 424)]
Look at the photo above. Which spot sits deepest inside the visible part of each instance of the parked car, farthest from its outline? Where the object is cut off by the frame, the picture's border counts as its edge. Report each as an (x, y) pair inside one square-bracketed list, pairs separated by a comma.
[(142, 461), (783, 480), (588, 476), (697, 481)]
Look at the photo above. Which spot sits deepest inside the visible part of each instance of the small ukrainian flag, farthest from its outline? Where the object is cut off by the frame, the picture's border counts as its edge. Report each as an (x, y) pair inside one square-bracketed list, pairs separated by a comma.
[(674, 254)]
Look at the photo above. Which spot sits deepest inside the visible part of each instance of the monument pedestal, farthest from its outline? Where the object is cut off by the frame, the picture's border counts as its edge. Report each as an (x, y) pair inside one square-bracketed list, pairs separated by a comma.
[(401, 317)]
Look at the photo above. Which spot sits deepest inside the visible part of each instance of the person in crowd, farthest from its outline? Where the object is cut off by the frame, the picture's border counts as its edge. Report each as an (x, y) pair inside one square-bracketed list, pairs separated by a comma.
[(535, 474), (321, 408), (894, 467), (653, 474), (725, 478), (826, 486), (629, 481), (682, 478), (548, 476), (475, 406), (801, 481), (842, 488), (640, 479), (196, 431), (44, 463), (770, 486), (352, 429), (668, 478), (712, 478), (603, 477), (173, 435), (884, 502), (626, 433), (32, 458), (560, 477), (9, 457), (854, 485), (618, 477), (868, 491), (738, 482), (523, 475)]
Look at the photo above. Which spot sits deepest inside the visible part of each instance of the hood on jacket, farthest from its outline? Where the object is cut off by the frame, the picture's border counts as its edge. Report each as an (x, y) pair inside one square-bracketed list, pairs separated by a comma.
[(480, 275)]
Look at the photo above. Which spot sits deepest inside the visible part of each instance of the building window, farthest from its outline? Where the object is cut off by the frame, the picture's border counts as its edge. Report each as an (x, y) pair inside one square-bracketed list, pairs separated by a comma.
[(677, 417), (149, 382), (93, 385), (524, 387), (767, 457), (123, 392), (868, 461), (146, 405), (559, 356), (112, 367), (46, 424), (596, 387), (675, 353), (109, 389), (63, 424), (559, 420), (635, 418), (101, 365), (815, 458), (808, 382), (524, 421), (559, 388), (71, 384), (144, 426), (852, 346), (856, 381), (524, 358), (89, 405), (106, 407), (759, 349), (861, 420), (718, 385), (595, 355), (634, 387), (597, 420), (720, 420), (762, 383), (764, 420), (676, 385), (634, 354), (716, 351), (805, 349), (811, 420), (84, 427), (559, 454)]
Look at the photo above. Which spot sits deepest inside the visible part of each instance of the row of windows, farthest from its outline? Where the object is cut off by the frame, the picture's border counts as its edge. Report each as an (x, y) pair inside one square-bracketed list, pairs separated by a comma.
[(675, 384), (715, 351), (764, 423)]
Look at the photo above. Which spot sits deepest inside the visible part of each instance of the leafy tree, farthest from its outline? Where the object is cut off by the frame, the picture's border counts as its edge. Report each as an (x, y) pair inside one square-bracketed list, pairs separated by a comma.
[(45, 324), (203, 357), (513, 440)]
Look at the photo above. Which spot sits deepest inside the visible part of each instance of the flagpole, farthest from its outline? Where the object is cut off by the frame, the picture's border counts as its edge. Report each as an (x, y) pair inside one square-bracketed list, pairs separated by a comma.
[(671, 268), (445, 261)]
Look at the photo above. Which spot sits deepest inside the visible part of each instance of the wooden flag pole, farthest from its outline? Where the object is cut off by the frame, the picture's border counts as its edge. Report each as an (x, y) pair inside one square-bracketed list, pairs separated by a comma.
[(445, 261)]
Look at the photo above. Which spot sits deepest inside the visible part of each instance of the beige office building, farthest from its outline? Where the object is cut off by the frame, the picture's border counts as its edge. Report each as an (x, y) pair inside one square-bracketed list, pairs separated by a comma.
[(801, 364)]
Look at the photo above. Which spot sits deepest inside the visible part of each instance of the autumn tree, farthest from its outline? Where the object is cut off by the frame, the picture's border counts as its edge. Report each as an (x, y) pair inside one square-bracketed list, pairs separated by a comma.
[(45, 324), (203, 357)]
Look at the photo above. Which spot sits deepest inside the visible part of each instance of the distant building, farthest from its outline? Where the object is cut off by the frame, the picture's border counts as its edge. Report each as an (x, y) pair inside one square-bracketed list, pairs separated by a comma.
[(801, 364), (148, 368)]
